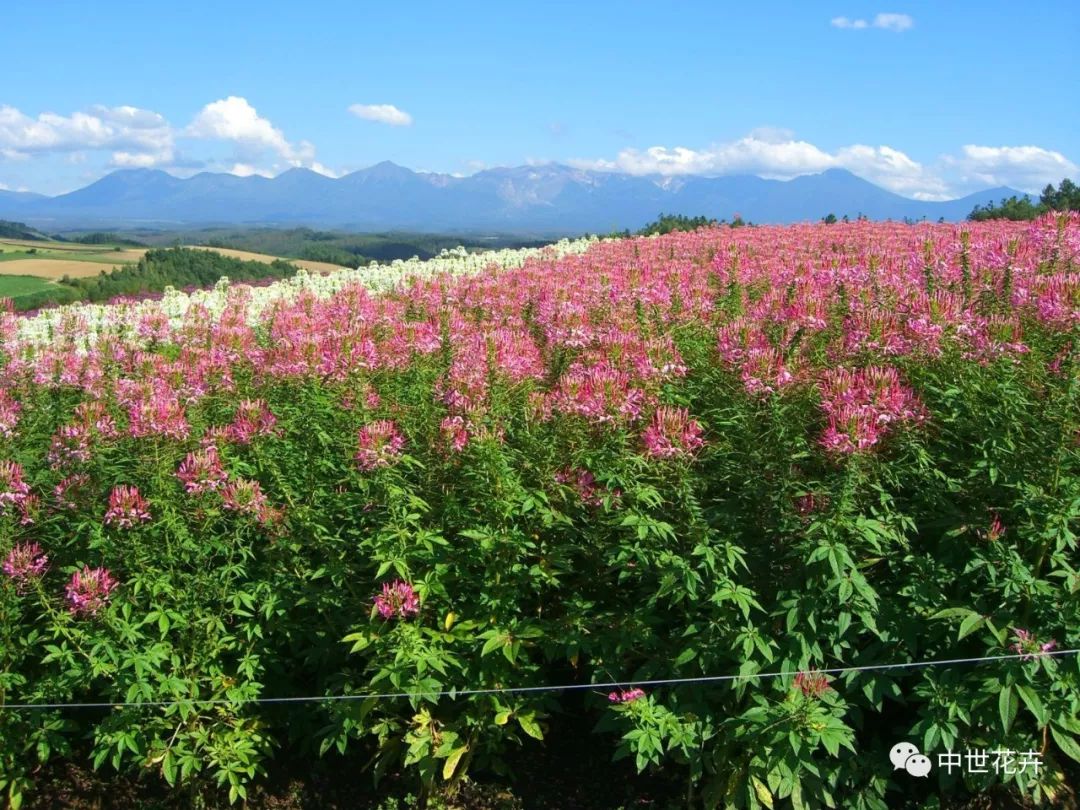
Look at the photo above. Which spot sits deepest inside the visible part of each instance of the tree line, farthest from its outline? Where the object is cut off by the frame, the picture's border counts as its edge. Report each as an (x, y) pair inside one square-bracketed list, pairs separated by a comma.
[(1066, 197), (181, 268)]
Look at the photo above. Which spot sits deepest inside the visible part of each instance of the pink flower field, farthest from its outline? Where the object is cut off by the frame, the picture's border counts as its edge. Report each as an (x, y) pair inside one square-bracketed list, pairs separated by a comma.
[(724, 452)]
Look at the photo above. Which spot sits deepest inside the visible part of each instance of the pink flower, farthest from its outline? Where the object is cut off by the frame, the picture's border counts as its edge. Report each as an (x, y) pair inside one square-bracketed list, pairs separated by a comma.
[(397, 599), (1028, 646), (584, 483), (126, 507), (68, 489), (454, 432), (89, 590), (380, 445), (13, 490), (70, 445), (25, 561), (9, 414), (253, 418), (811, 684), (201, 471), (863, 406), (672, 433), (243, 496), (996, 530), (159, 414), (626, 695)]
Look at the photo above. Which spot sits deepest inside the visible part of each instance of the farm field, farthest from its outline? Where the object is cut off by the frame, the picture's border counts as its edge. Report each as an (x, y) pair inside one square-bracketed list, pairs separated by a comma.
[(36, 266), (312, 266), (14, 286), (749, 505)]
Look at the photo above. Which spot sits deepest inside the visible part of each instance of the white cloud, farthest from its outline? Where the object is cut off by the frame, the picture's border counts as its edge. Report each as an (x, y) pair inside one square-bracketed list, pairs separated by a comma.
[(128, 130), (247, 170), (887, 21), (382, 113), (776, 153), (893, 22), (844, 22), (1028, 168), (234, 119)]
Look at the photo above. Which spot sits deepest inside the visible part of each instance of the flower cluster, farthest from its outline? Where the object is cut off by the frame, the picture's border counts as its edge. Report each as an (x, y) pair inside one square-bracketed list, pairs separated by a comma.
[(14, 491), (626, 695), (88, 590), (811, 684), (863, 405), (201, 471), (672, 433), (253, 418), (9, 414), (25, 561), (1028, 647), (584, 483), (380, 444), (127, 507), (398, 598), (245, 497)]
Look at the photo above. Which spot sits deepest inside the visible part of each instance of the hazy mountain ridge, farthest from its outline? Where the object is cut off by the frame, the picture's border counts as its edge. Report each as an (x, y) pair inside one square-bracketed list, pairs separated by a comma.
[(535, 199)]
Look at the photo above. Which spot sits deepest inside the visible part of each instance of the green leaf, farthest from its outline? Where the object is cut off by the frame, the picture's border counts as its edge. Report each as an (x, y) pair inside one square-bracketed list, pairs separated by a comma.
[(762, 792), (1066, 743), (530, 726), (970, 625), (502, 718), (1034, 704), (686, 656), (1008, 704), (452, 761), (168, 768)]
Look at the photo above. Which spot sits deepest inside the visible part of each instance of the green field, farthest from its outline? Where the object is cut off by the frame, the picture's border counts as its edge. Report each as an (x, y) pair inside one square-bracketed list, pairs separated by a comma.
[(11, 250), (15, 286)]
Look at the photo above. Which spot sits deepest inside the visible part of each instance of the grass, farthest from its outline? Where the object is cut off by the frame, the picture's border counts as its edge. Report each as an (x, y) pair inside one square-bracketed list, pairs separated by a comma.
[(17, 249), (15, 286)]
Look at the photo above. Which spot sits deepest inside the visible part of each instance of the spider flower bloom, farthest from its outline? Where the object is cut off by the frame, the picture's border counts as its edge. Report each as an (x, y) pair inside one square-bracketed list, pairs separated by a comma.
[(201, 471), (253, 418), (89, 589), (25, 561), (70, 446), (1028, 646), (9, 415), (244, 496), (126, 507), (811, 684), (584, 483), (672, 433), (397, 599), (454, 432), (626, 695), (13, 490), (380, 445), (68, 490), (996, 530)]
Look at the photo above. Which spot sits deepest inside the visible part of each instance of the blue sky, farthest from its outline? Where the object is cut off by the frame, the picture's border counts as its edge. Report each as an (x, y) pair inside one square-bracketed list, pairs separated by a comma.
[(929, 99)]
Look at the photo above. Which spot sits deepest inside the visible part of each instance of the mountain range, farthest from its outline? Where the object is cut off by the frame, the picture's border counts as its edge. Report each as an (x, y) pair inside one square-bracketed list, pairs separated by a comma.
[(540, 199)]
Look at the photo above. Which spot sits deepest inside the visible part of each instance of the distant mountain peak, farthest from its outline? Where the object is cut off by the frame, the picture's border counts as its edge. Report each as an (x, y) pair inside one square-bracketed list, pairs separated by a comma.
[(544, 198)]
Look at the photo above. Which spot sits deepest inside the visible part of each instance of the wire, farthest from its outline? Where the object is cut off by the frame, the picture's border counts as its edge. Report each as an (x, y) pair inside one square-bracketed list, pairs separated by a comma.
[(456, 693)]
